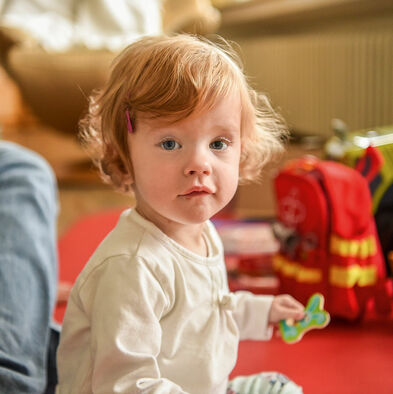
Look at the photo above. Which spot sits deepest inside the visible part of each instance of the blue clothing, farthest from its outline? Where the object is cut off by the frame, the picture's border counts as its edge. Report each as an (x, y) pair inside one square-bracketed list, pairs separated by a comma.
[(28, 268)]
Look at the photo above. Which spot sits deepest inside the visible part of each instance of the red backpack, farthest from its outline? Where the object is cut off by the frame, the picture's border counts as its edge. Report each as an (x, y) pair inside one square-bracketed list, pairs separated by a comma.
[(329, 242)]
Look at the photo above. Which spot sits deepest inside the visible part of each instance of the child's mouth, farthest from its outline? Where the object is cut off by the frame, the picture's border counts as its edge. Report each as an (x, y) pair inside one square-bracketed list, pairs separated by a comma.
[(198, 191), (196, 194)]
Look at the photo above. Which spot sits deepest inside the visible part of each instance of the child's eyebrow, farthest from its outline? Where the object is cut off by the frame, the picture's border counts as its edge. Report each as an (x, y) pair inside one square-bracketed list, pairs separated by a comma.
[(231, 128)]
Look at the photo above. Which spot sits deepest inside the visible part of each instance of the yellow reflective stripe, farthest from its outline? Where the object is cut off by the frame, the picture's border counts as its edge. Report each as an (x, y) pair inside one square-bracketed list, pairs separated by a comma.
[(296, 271), (363, 248), (346, 277), (352, 275)]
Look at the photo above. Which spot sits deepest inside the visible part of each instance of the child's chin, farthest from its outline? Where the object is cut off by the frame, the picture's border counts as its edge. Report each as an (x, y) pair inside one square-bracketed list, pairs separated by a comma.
[(194, 218)]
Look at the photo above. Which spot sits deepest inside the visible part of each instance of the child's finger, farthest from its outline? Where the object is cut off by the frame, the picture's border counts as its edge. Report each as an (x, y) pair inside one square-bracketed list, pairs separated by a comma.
[(295, 308), (292, 313), (292, 302)]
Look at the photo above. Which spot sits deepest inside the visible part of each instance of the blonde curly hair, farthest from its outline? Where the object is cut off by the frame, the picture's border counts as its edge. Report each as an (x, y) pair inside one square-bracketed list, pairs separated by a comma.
[(171, 77)]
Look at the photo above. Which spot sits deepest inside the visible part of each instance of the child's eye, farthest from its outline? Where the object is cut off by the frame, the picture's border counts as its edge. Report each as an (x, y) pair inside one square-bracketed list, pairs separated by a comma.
[(170, 145), (219, 144)]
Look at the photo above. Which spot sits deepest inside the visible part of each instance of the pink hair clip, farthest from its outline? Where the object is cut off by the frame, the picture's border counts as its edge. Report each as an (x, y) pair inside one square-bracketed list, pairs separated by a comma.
[(129, 124)]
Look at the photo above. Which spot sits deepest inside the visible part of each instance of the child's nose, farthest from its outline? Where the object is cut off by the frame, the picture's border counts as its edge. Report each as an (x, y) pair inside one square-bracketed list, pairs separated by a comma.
[(197, 164)]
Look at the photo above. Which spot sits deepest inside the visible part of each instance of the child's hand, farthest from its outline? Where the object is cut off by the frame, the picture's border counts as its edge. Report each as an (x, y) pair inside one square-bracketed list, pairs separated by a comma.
[(285, 307)]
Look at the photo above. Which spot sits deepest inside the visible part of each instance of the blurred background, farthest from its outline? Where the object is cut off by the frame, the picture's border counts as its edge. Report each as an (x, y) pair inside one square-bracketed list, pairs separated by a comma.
[(317, 60)]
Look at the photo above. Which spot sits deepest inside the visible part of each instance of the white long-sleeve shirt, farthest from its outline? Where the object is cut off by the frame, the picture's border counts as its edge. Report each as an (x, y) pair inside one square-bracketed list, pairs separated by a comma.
[(147, 315)]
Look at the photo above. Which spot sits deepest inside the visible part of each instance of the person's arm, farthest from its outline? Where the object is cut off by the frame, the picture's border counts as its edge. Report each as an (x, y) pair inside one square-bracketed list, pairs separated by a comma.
[(125, 302), (28, 268), (252, 315), (255, 315)]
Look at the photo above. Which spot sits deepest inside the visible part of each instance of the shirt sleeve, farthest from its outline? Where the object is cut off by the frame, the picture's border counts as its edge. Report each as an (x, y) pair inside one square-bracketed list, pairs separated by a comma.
[(126, 305), (251, 314)]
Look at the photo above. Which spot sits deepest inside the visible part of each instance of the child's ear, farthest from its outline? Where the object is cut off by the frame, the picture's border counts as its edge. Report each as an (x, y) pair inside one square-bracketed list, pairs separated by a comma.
[(128, 179), (127, 183)]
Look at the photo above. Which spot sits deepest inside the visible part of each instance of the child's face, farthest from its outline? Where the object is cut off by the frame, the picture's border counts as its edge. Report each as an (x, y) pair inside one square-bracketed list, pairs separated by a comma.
[(187, 171)]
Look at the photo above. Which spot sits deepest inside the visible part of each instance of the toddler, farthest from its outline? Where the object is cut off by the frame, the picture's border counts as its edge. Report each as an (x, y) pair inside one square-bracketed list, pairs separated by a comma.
[(177, 125)]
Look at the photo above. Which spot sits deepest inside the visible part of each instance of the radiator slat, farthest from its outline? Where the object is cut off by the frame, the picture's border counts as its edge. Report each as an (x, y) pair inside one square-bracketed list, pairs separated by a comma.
[(316, 76)]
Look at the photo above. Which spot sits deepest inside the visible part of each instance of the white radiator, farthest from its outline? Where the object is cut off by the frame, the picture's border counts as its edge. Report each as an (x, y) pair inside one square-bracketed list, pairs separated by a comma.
[(318, 74)]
